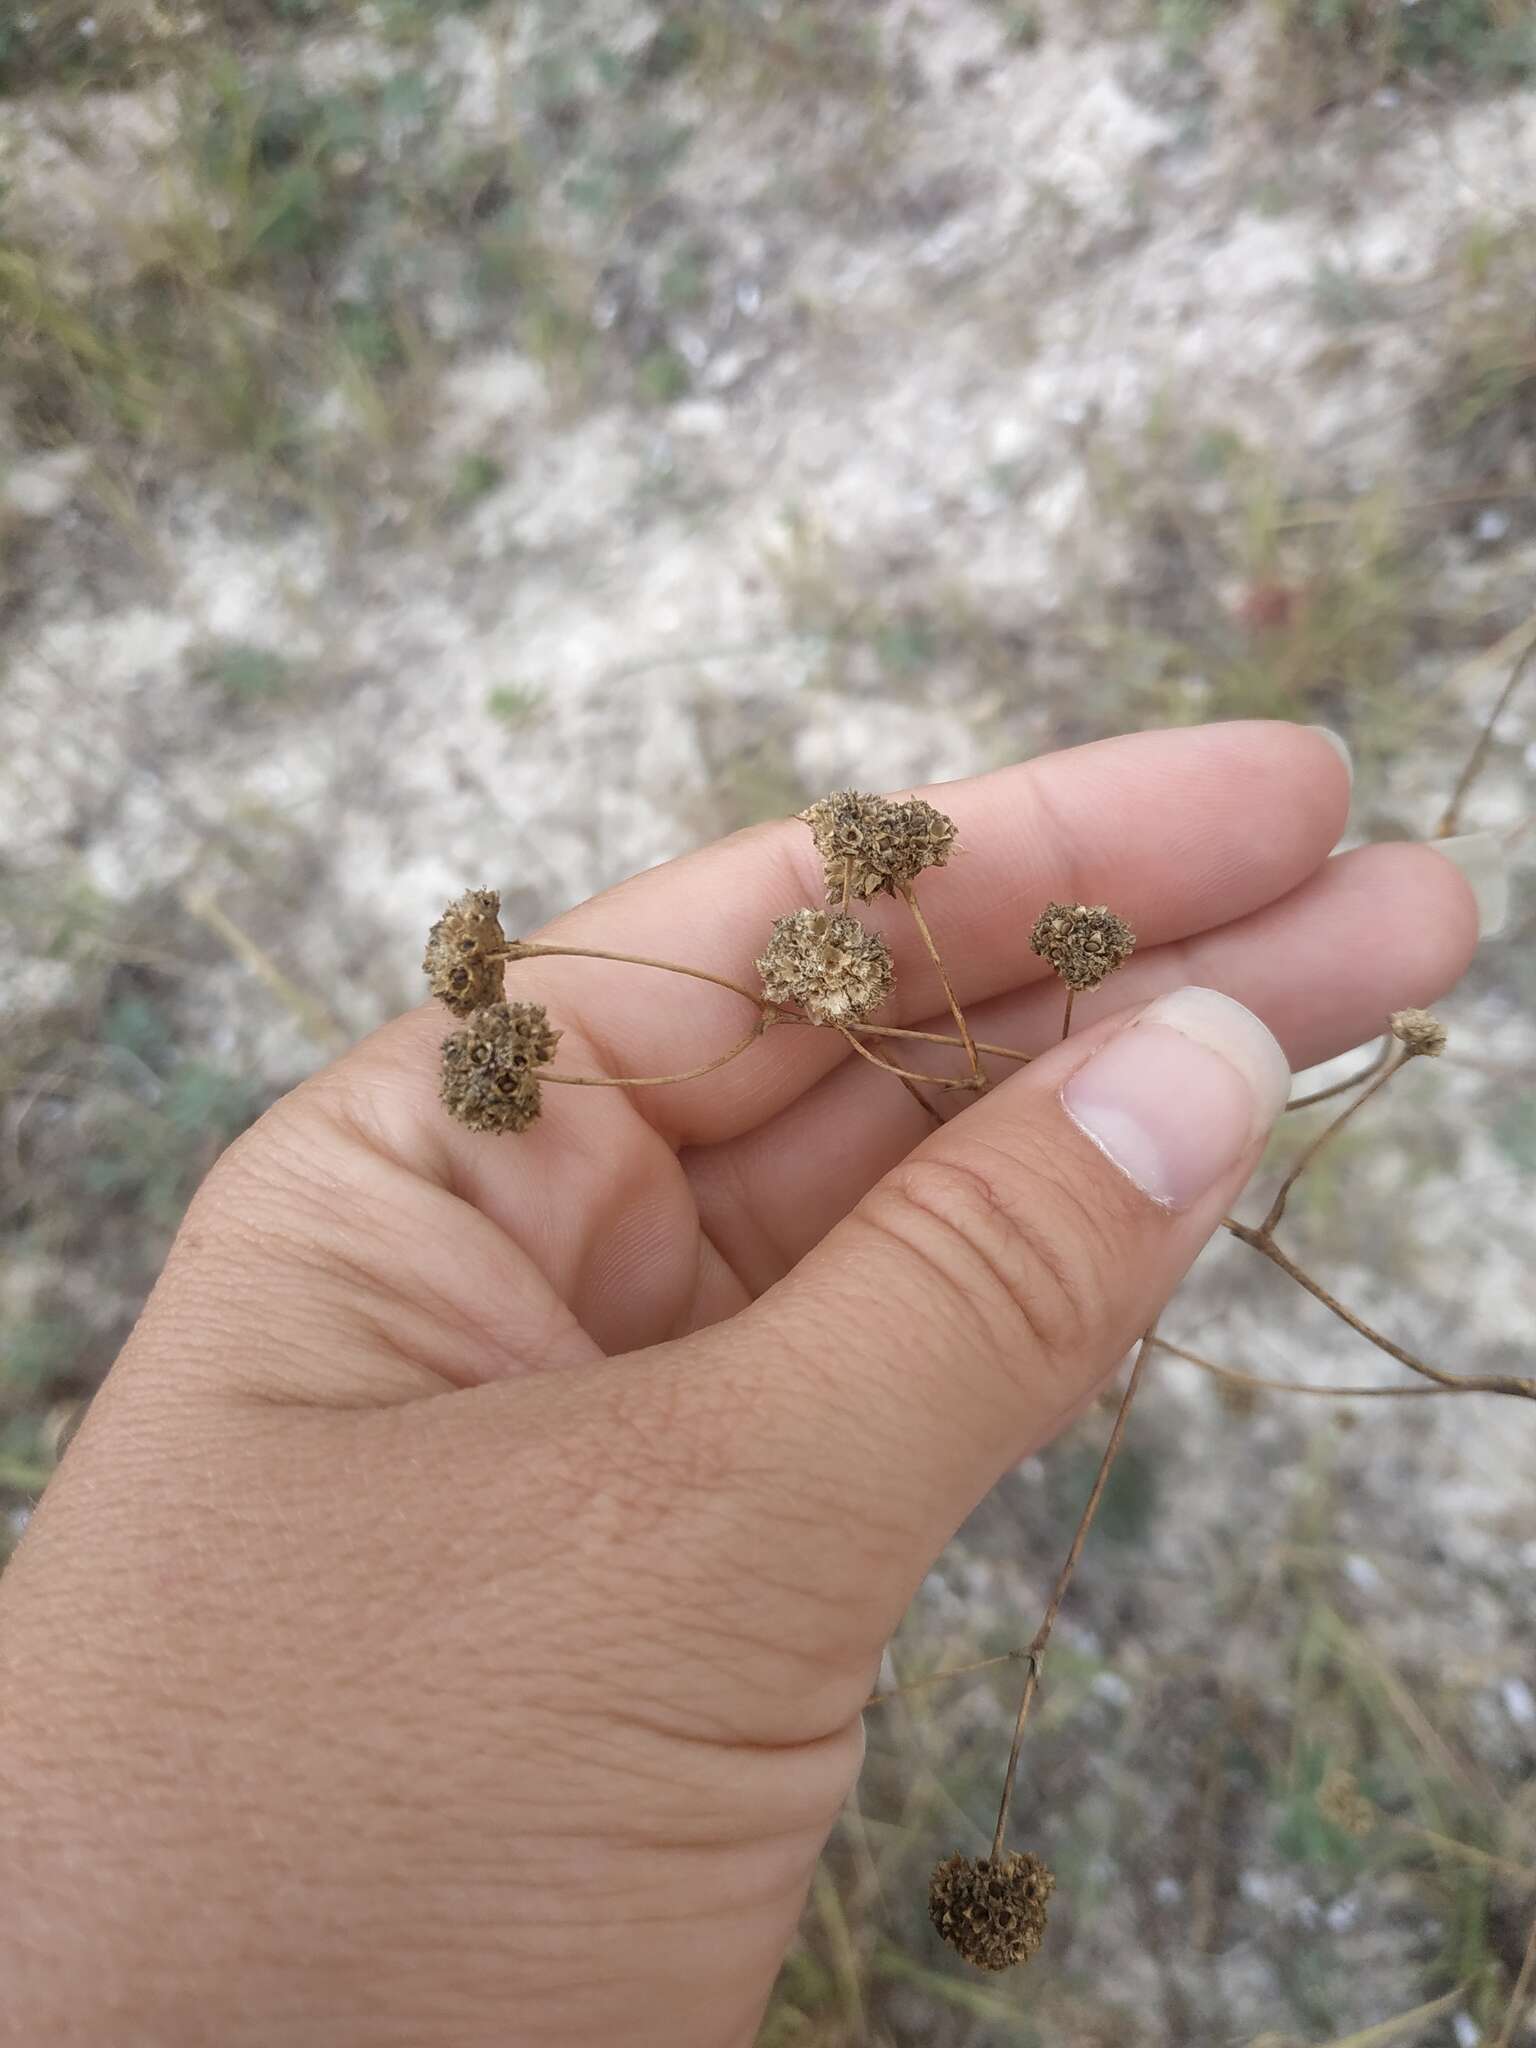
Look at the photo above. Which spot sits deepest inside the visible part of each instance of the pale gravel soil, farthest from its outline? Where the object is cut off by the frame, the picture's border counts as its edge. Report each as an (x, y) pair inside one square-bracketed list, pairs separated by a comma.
[(933, 332)]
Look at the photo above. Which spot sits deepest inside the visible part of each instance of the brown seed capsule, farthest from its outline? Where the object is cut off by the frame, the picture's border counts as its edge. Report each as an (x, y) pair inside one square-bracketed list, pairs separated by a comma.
[(1340, 1800), (1084, 942), (1419, 1032), (993, 1917), (871, 844), (458, 963), (488, 1080), (837, 972)]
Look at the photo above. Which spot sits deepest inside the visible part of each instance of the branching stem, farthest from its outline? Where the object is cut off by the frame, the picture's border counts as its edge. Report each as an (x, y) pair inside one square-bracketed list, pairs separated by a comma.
[(1253, 1379), (901, 1073), (1464, 1383), (896, 1692), (1325, 1136), (658, 1080), (908, 1081), (1378, 1061), (909, 896)]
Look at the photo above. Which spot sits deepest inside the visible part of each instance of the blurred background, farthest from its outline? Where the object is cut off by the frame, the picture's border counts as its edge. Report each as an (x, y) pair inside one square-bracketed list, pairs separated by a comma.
[(512, 442)]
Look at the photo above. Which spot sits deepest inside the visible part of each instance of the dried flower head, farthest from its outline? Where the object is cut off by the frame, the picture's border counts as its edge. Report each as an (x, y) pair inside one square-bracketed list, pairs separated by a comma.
[(870, 844), (1084, 942), (460, 962), (1419, 1032), (993, 1917), (488, 1078), (1340, 1800), (837, 972)]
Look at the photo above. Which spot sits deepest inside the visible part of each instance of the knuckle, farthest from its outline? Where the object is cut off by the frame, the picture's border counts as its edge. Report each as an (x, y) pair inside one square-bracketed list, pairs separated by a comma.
[(1011, 1251)]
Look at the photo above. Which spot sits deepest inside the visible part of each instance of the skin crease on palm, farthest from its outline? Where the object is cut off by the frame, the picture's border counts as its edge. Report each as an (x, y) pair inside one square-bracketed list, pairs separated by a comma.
[(451, 1624)]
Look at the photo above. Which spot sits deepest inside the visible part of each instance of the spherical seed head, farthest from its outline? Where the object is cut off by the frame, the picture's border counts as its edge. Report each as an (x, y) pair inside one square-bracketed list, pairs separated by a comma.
[(992, 1916), (871, 844), (1419, 1032), (458, 963), (1340, 1800), (488, 1080), (921, 837), (1084, 942), (837, 972)]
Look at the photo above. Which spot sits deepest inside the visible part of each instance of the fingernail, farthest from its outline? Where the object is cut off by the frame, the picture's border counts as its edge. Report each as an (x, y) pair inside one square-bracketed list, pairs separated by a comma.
[(1340, 746), (1482, 859), (1176, 1098)]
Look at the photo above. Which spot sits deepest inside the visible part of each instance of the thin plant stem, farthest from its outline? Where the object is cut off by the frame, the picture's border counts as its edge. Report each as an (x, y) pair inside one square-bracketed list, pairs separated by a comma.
[(321, 1024), (1253, 1379), (896, 1692), (1002, 1052), (904, 1078), (1066, 1021), (657, 1080), (1466, 1383), (1523, 1984), (1035, 1654), (909, 894), (1379, 1060), (901, 1073), (1450, 822), (1402, 2026), (1324, 1137), (536, 949), (1446, 1845), (528, 949)]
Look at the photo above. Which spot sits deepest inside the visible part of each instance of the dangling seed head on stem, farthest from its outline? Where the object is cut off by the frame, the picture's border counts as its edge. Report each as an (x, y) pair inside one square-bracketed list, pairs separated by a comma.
[(488, 1080), (837, 972), (459, 962), (993, 1916), (1419, 1033), (1084, 942), (872, 844)]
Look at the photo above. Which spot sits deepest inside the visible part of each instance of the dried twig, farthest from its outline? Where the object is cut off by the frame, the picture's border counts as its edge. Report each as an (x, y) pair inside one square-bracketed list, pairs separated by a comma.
[(1379, 1059), (1035, 1654), (1523, 641), (1326, 1137), (909, 896), (1459, 1383), (1252, 1379)]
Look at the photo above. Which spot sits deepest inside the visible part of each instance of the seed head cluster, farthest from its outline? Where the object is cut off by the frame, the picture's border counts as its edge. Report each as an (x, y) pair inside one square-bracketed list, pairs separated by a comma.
[(488, 1080), (1084, 942), (459, 962), (874, 844), (835, 969), (1419, 1033), (993, 1916), (1340, 1800)]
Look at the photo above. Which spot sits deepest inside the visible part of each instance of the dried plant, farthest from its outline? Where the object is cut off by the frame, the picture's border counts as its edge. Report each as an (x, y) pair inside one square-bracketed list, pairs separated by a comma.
[(991, 1911), (837, 972), (825, 969), (1340, 1801)]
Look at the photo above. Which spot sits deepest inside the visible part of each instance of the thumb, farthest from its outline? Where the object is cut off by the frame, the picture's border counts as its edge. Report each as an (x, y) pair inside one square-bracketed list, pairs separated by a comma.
[(981, 1292)]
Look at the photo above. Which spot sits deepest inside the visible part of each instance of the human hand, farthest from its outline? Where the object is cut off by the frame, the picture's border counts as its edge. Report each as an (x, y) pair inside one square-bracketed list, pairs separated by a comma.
[(452, 1621)]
